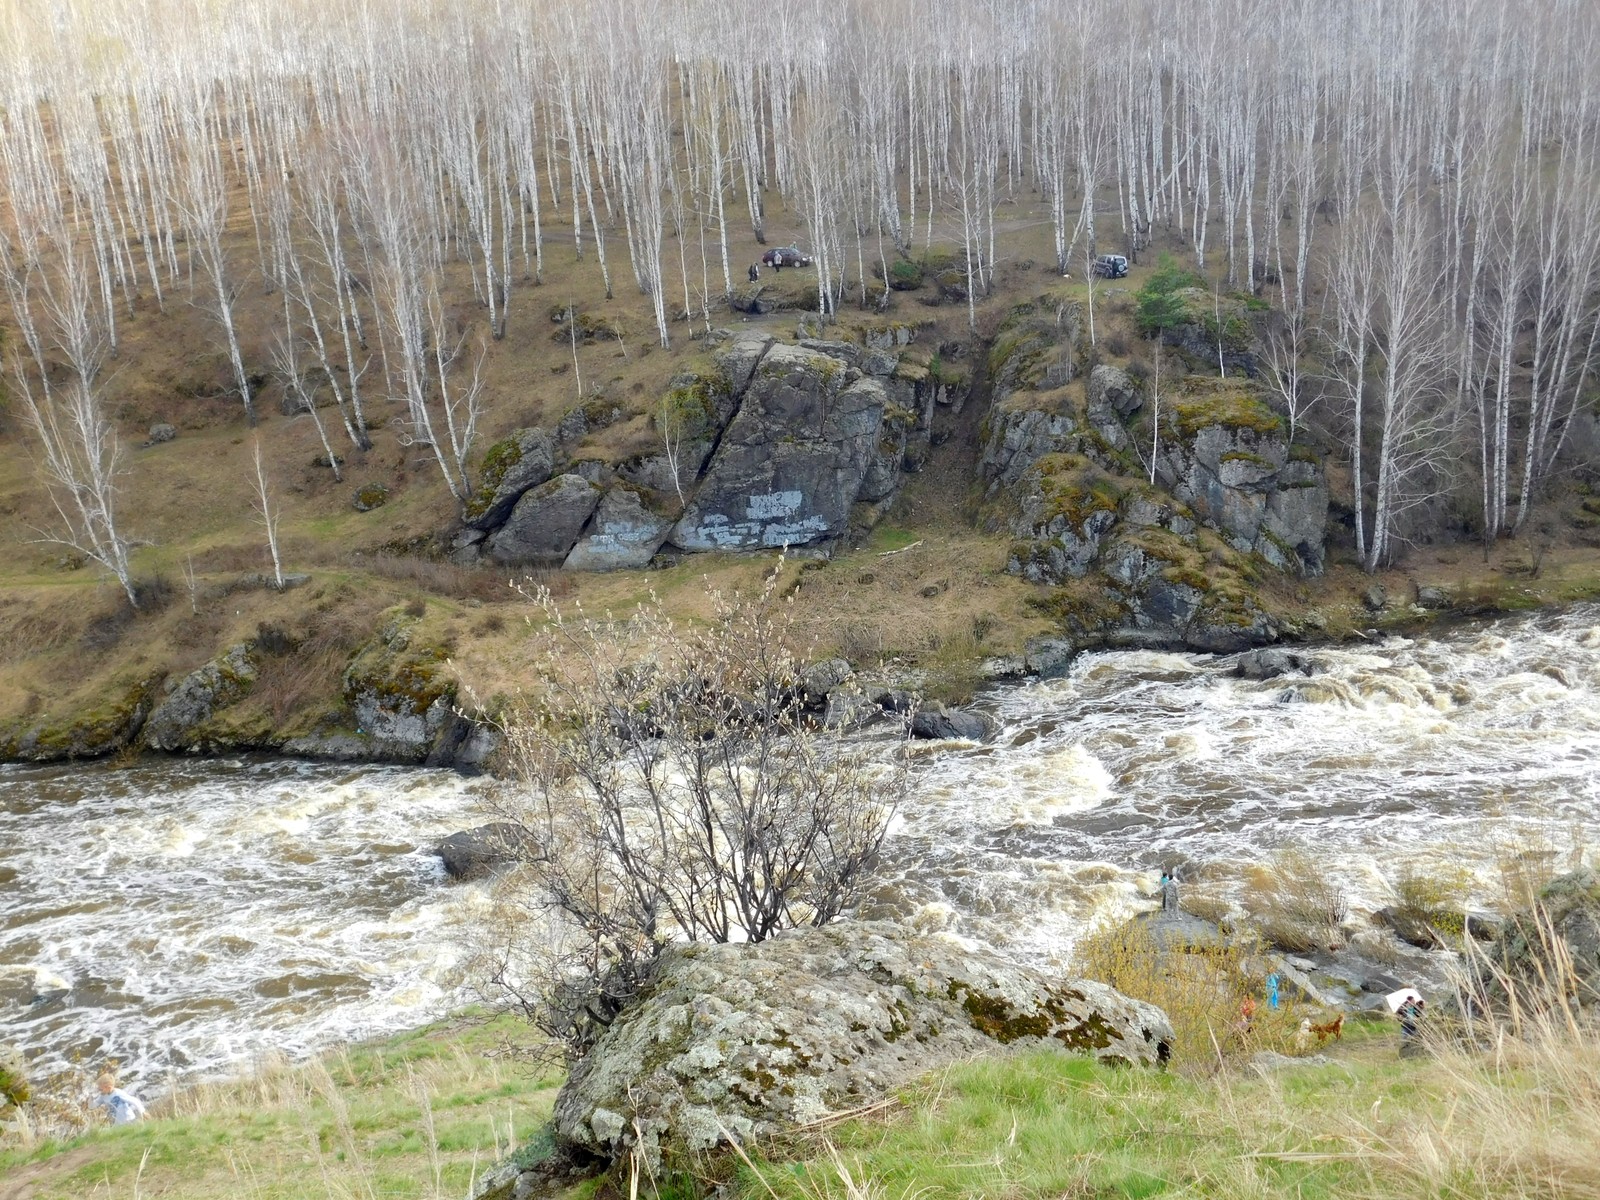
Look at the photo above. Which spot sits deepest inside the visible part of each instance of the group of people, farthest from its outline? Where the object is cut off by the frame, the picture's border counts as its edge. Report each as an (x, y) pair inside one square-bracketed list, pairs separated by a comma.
[(1408, 1004)]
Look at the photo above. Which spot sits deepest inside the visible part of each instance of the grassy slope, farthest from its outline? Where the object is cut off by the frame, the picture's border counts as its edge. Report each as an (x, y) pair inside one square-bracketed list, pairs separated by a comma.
[(1032, 1126), (418, 1114), (1367, 1125), (67, 648)]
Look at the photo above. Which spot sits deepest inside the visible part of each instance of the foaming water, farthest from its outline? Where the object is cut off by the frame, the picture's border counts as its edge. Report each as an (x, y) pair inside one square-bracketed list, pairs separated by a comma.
[(183, 916), (1458, 750)]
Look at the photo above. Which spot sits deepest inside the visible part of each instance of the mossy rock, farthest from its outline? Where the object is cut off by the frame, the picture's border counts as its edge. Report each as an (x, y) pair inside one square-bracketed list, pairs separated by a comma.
[(1071, 486), (1202, 403), (95, 732), (370, 496)]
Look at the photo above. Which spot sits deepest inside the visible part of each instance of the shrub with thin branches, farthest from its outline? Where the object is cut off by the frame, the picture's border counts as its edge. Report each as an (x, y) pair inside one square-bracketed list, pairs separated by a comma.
[(677, 789)]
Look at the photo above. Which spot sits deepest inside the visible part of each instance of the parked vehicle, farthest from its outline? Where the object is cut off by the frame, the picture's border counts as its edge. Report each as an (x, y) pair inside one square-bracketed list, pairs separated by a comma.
[(785, 256), (1111, 266)]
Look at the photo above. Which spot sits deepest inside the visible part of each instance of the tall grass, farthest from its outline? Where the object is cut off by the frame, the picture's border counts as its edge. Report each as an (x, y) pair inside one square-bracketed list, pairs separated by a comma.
[(1294, 904), (1504, 1106), (1203, 989), (420, 1115)]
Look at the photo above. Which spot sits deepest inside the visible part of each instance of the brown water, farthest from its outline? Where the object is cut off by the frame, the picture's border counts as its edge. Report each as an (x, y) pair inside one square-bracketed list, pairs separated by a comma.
[(186, 916)]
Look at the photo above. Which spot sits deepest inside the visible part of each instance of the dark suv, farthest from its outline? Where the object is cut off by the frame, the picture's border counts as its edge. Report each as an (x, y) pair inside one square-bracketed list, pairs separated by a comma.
[(1111, 266), (785, 256)]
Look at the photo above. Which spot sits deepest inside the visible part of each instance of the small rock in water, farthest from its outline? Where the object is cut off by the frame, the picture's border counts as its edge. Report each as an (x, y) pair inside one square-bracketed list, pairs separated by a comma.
[(475, 852), (937, 721)]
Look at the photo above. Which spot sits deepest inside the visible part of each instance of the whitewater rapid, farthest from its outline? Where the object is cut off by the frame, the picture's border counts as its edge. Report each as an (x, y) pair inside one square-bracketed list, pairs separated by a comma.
[(185, 917)]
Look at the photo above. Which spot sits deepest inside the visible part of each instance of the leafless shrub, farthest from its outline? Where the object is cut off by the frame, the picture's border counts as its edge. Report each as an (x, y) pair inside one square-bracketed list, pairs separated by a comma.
[(1294, 904), (677, 791)]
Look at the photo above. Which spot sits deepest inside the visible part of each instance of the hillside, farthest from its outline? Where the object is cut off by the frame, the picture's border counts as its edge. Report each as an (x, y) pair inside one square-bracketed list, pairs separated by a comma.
[(926, 590), (487, 321)]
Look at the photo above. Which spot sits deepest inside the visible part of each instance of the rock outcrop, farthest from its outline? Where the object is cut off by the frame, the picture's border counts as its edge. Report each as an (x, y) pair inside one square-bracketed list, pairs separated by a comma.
[(175, 723), (776, 445), (545, 523), (1553, 946), (623, 533), (94, 733), (793, 459), (744, 1041), (1155, 526), (511, 466)]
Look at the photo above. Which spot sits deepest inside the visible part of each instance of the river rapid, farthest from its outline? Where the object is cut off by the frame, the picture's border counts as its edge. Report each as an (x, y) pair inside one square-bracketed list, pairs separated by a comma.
[(187, 917)]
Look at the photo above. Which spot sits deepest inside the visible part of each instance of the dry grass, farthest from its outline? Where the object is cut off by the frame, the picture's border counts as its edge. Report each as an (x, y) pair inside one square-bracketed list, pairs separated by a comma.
[(1202, 989), (1296, 907)]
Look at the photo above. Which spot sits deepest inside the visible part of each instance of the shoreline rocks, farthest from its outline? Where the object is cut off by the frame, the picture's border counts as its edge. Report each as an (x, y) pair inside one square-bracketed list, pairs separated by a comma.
[(745, 1041)]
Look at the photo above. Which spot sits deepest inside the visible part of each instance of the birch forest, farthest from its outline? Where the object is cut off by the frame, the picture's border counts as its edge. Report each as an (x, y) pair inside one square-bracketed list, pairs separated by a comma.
[(1413, 187)]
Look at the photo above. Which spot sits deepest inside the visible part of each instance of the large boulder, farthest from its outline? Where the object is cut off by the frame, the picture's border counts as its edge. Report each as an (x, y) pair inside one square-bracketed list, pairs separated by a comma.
[(511, 466), (545, 524), (745, 1041), (189, 705), (623, 533), (936, 721), (473, 853), (792, 461)]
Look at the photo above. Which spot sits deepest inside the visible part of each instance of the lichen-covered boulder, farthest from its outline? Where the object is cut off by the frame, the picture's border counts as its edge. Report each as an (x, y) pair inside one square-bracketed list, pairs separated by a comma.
[(511, 466), (623, 533), (744, 1041), (219, 683), (546, 523), (792, 461)]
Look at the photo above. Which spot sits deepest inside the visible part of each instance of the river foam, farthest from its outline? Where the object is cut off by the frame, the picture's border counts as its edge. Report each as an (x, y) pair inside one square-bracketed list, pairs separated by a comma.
[(186, 916)]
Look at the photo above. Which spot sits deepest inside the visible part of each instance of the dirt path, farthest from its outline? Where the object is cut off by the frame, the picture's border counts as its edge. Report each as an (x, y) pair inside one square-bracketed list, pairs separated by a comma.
[(24, 1183)]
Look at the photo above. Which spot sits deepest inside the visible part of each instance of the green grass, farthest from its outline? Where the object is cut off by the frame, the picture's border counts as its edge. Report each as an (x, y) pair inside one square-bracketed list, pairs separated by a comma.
[(419, 1114), (889, 537), (1047, 1126)]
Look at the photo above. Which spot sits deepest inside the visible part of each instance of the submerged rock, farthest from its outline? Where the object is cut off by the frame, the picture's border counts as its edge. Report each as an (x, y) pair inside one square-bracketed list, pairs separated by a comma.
[(745, 1041), (475, 852)]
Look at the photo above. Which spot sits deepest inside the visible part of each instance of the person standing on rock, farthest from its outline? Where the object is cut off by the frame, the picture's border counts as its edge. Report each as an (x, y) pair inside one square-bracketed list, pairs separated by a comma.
[(123, 1107), (1169, 892)]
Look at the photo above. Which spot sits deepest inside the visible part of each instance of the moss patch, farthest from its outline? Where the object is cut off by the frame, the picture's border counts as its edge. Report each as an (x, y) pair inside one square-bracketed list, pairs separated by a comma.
[(1232, 404)]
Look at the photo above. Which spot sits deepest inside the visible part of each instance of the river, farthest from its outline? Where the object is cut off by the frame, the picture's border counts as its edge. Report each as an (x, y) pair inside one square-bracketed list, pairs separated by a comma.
[(185, 917)]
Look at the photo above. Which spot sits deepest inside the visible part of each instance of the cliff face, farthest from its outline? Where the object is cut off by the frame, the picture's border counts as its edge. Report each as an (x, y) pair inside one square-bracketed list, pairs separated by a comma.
[(779, 445), (1155, 509)]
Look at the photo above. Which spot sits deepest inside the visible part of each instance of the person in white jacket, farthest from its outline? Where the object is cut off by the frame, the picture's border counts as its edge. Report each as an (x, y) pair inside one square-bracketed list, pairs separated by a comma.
[(122, 1106)]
